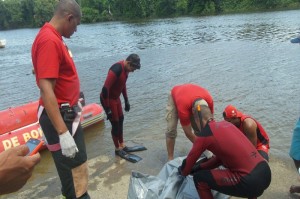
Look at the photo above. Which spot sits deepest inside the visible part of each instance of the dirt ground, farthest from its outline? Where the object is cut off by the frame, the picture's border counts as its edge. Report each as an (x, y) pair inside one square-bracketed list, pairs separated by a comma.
[(109, 176)]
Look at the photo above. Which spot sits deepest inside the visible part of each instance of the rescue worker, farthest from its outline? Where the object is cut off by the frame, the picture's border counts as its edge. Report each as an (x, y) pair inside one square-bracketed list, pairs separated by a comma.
[(245, 174), (180, 102), (114, 85), (251, 128)]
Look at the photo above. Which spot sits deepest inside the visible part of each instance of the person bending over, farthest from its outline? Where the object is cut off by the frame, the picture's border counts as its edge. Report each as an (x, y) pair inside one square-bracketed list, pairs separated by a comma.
[(245, 173), (251, 128), (180, 102), (114, 85)]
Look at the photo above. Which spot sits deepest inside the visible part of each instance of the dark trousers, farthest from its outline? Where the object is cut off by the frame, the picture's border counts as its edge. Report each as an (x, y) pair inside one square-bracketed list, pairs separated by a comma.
[(64, 165)]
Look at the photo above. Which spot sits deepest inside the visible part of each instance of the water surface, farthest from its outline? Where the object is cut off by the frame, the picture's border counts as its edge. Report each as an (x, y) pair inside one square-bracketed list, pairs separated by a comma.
[(243, 59)]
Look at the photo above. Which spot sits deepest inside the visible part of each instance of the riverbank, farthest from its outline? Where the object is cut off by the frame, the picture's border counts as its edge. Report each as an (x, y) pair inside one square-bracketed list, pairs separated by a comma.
[(110, 175)]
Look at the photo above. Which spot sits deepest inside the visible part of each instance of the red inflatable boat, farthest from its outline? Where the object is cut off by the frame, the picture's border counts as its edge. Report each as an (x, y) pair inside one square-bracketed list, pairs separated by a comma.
[(19, 124)]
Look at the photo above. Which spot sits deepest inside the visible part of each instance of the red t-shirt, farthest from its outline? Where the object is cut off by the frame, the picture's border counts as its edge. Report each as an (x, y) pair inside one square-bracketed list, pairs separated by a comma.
[(184, 97), (52, 59)]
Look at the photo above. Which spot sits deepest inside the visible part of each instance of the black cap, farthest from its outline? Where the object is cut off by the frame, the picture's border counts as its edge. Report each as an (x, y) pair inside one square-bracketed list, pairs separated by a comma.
[(134, 60)]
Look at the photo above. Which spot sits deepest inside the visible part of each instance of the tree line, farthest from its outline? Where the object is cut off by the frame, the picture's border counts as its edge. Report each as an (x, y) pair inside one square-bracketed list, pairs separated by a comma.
[(34, 13)]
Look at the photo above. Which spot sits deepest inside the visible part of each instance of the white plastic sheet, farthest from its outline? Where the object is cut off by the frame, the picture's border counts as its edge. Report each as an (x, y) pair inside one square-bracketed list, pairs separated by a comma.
[(168, 184)]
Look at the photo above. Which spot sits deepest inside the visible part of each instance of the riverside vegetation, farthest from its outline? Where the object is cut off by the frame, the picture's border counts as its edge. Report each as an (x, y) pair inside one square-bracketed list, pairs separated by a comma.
[(34, 13)]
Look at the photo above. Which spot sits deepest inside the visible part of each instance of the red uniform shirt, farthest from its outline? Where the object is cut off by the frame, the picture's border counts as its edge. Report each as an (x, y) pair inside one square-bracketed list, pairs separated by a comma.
[(52, 60), (184, 97)]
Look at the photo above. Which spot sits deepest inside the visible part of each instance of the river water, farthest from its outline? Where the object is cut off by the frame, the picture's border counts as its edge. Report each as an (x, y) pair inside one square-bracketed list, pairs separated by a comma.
[(242, 59)]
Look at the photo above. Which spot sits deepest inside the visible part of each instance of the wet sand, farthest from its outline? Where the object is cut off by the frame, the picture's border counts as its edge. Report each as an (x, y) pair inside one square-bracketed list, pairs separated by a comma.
[(110, 175)]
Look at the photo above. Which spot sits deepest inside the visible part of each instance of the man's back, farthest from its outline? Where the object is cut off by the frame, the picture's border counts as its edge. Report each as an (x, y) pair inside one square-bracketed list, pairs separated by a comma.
[(184, 97), (234, 150), (229, 145)]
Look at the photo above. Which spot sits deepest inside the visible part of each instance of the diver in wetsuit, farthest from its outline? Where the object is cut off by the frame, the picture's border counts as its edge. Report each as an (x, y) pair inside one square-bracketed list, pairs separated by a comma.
[(246, 174), (114, 85)]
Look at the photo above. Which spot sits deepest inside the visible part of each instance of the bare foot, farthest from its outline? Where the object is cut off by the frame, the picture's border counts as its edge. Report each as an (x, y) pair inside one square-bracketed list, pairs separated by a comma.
[(294, 189)]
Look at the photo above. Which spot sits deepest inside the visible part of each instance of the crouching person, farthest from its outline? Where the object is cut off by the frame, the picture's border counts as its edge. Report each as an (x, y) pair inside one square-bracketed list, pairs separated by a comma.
[(246, 174)]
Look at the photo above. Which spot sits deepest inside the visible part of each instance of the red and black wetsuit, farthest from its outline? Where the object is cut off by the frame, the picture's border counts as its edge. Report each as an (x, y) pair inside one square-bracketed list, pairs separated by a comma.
[(262, 145), (114, 85), (246, 173)]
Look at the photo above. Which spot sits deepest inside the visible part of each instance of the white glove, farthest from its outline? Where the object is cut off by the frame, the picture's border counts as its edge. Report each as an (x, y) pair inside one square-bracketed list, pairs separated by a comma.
[(67, 145), (208, 154)]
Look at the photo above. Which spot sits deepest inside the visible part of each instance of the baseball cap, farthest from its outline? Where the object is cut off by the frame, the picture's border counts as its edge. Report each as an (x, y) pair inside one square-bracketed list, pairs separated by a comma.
[(231, 112), (296, 40), (134, 60)]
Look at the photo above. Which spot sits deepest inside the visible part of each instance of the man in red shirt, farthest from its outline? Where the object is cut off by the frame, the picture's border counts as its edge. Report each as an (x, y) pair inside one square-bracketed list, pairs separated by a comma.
[(59, 111), (180, 103), (114, 85), (251, 128), (245, 174)]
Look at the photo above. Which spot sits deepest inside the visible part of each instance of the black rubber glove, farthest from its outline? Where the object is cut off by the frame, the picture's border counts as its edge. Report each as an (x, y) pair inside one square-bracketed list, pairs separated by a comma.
[(108, 114), (179, 170), (197, 165), (127, 106)]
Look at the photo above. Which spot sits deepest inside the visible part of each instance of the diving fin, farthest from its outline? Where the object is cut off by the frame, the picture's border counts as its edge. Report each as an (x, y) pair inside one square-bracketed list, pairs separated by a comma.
[(134, 148), (127, 156)]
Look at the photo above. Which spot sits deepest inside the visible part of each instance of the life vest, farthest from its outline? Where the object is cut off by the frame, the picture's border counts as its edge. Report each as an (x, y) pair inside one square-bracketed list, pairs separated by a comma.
[(263, 141)]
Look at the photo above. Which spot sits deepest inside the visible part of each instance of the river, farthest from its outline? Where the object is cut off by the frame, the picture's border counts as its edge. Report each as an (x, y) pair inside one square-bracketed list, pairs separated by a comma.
[(243, 59)]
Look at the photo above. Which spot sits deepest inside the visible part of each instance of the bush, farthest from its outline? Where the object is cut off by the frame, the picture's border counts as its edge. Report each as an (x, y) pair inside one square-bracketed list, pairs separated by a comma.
[(89, 15)]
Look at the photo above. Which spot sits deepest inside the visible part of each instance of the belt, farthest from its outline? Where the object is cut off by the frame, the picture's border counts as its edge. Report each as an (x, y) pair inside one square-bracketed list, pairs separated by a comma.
[(66, 107), (75, 122)]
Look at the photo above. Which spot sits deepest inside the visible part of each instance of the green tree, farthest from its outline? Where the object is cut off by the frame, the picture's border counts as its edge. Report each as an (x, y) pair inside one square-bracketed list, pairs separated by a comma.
[(266, 4), (13, 16), (165, 8), (89, 15), (3, 16), (181, 7), (129, 9), (43, 11), (34, 13), (27, 12)]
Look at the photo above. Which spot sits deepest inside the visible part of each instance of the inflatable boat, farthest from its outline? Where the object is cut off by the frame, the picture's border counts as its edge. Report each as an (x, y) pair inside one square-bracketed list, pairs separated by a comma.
[(19, 124)]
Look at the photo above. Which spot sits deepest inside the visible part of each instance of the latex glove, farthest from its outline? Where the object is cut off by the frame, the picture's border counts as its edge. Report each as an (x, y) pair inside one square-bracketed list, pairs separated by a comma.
[(127, 106), (108, 114), (68, 145)]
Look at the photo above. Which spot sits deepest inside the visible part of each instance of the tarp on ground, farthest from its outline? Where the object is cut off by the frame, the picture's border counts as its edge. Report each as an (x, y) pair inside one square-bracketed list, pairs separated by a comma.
[(168, 184)]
